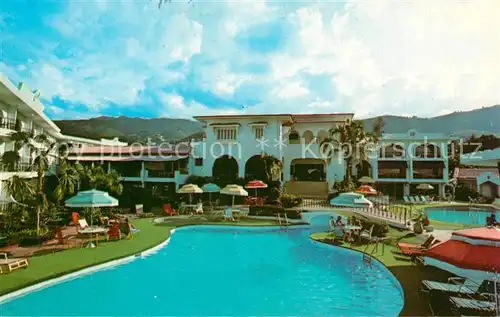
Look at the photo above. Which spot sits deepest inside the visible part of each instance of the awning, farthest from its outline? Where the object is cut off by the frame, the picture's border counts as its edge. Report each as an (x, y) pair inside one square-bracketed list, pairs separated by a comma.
[(392, 164), (125, 159), (428, 164)]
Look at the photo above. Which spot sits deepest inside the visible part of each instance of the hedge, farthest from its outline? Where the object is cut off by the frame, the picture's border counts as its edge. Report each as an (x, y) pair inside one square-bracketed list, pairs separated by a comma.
[(272, 211)]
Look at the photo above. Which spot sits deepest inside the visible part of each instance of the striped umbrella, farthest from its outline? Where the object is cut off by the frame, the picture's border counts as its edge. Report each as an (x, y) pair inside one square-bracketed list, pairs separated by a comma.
[(256, 184), (190, 189), (234, 190)]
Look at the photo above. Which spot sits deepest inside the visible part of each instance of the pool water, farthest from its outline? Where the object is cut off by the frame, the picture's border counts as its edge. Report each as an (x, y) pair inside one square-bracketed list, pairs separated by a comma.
[(227, 271), (461, 215)]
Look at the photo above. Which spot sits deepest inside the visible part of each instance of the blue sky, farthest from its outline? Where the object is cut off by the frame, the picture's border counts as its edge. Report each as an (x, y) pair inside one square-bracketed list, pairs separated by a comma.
[(93, 58)]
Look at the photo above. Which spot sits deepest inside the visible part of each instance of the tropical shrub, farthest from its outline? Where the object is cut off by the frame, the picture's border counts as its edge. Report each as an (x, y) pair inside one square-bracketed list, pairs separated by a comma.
[(379, 229), (462, 193), (290, 201), (344, 186), (198, 180)]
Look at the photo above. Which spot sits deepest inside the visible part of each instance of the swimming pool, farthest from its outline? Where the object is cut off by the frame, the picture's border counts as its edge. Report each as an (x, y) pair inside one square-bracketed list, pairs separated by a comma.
[(462, 215), (227, 271)]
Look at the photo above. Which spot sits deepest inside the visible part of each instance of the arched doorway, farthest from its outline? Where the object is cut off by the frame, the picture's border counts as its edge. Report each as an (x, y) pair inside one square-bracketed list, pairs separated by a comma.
[(311, 170), (225, 169), (308, 136), (293, 137), (255, 168)]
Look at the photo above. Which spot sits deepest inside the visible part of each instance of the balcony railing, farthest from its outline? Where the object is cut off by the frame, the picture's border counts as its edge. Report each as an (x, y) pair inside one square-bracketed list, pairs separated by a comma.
[(19, 167), (7, 123), (161, 174)]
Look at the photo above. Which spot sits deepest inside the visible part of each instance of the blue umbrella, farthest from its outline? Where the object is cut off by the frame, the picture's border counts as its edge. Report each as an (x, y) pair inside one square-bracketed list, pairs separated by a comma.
[(210, 188)]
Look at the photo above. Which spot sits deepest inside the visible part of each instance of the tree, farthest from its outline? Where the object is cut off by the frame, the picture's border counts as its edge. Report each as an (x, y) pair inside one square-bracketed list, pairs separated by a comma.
[(273, 166), (19, 188), (68, 178), (94, 177), (354, 142), (11, 159)]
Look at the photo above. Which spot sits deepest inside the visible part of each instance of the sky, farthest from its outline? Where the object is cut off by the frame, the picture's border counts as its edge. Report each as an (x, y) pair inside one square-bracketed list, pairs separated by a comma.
[(92, 58)]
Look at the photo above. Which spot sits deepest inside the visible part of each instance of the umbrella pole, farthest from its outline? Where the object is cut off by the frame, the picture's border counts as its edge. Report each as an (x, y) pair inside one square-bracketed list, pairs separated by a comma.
[(232, 205)]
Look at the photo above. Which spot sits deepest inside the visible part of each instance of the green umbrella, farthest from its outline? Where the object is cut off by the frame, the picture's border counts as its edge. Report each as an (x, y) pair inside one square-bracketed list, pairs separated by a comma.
[(91, 199)]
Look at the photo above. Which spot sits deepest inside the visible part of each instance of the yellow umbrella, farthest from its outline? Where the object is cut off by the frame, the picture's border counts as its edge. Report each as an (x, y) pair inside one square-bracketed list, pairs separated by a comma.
[(366, 180), (190, 189), (234, 190)]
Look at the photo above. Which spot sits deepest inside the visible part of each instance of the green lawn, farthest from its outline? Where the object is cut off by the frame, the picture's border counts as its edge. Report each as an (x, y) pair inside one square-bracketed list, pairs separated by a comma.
[(53, 265)]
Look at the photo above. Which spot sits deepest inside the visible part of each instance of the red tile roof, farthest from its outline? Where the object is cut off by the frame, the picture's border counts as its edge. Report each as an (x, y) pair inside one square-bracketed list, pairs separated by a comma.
[(177, 149), (473, 173)]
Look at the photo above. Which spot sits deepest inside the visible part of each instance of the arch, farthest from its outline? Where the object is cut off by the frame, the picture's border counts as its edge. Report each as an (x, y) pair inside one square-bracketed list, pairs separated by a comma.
[(225, 169), (322, 135), (391, 151), (255, 168), (308, 136), (427, 150), (310, 169), (293, 137)]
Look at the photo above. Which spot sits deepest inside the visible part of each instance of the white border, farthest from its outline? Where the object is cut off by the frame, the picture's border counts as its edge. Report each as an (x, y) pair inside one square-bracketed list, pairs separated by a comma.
[(100, 267)]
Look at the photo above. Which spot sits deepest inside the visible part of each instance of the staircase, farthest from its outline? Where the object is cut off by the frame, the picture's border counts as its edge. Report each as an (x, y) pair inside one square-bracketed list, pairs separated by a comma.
[(307, 189)]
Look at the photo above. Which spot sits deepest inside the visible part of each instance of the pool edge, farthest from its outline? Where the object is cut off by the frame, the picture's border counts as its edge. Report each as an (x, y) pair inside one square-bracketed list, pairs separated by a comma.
[(78, 273)]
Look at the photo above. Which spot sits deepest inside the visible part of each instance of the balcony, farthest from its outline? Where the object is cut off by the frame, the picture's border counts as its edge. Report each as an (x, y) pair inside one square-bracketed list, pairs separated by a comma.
[(428, 170), (8, 123), (161, 174), (391, 169), (19, 167)]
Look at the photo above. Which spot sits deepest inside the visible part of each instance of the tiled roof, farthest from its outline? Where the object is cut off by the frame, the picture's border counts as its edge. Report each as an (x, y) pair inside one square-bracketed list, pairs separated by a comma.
[(473, 173), (180, 149)]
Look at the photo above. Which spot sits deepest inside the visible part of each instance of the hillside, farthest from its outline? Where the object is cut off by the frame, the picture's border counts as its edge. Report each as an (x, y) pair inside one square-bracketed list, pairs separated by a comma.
[(480, 121)]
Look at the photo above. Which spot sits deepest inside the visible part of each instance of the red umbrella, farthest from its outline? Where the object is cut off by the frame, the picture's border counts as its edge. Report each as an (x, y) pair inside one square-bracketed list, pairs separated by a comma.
[(256, 184), (366, 190), (472, 252)]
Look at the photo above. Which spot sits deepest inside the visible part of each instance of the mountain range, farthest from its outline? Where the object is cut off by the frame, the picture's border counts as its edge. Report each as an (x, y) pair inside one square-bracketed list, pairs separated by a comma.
[(483, 121)]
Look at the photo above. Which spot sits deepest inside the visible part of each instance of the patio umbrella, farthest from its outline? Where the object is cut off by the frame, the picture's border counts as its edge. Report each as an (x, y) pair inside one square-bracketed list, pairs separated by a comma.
[(425, 187), (256, 184), (190, 189), (366, 180), (471, 253), (234, 190), (210, 188), (366, 190), (91, 199)]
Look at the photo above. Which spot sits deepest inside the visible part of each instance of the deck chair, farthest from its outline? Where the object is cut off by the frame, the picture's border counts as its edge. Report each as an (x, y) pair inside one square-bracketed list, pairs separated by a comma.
[(228, 213), (423, 199), (114, 232), (412, 200), (167, 208), (405, 198), (82, 224), (416, 249), (367, 234), (8, 265), (473, 306), (199, 209), (139, 209), (454, 286)]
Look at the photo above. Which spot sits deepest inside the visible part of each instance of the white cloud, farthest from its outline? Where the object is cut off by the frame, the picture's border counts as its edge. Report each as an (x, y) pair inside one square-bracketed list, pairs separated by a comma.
[(291, 90)]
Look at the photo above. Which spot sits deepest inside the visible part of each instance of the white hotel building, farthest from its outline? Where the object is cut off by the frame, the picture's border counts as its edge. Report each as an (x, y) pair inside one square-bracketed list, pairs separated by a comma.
[(22, 111)]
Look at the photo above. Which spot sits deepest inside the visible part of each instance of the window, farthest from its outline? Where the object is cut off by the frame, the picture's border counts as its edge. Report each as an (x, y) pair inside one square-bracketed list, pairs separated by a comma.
[(198, 161), (258, 132), (225, 133)]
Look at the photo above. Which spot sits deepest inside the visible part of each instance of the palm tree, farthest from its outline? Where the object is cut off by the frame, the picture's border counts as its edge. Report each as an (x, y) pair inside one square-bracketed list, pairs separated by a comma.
[(354, 142), (19, 188), (68, 178), (94, 177), (273, 166), (10, 160)]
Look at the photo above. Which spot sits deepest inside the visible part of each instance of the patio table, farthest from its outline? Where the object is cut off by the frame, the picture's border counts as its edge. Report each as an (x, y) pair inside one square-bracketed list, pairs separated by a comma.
[(91, 232), (350, 230)]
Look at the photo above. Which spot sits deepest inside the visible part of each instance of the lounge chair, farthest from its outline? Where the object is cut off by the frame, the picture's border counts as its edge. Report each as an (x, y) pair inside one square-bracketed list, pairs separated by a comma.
[(405, 198), (228, 213), (423, 199), (367, 234), (139, 210), (472, 307), (167, 208), (416, 249), (8, 265), (199, 209), (412, 200), (82, 224), (456, 285)]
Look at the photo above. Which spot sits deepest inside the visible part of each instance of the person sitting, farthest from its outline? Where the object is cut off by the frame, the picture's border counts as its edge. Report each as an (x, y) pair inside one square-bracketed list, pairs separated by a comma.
[(491, 221), (339, 222), (331, 224)]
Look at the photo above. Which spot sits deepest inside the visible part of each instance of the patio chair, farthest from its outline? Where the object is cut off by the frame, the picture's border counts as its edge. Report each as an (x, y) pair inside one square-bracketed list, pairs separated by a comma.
[(167, 208), (405, 198), (82, 224), (228, 213), (8, 265), (473, 307), (199, 209), (412, 200), (139, 209), (367, 234), (114, 232), (423, 199), (455, 285)]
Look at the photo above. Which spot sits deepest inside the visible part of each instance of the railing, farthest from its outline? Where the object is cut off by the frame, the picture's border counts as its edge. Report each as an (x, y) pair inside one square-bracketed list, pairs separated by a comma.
[(389, 212), (161, 174), (314, 202), (7, 123), (19, 167)]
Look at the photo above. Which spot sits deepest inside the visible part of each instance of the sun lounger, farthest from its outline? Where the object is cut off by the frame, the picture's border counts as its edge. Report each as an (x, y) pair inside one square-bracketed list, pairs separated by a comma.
[(405, 198), (422, 199), (416, 249), (412, 200), (466, 287), (8, 265), (472, 305), (199, 208), (167, 208), (228, 213)]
